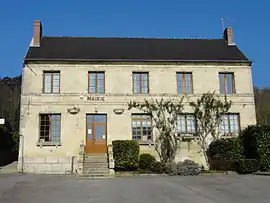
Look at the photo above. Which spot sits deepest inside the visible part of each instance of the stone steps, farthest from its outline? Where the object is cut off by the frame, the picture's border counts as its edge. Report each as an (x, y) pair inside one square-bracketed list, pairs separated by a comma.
[(95, 165)]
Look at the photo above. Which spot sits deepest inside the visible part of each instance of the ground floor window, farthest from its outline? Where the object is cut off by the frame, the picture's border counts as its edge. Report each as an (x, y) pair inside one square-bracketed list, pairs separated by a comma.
[(50, 128), (186, 124), (230, 123), (141, 127)]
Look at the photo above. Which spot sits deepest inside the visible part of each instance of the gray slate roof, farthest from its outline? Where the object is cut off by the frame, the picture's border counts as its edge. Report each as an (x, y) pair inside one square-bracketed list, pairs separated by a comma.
[(134, 49)]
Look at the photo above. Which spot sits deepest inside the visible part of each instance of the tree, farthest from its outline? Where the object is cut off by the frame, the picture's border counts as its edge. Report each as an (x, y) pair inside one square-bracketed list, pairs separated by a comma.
[(207, 111), (164, 114)]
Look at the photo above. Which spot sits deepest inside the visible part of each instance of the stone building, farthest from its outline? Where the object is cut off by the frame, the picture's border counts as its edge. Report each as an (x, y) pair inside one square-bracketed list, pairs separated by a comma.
[(75, 92)]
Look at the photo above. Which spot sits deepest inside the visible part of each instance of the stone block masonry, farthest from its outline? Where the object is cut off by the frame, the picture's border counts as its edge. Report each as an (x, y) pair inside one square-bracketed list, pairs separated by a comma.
[(51, 165)]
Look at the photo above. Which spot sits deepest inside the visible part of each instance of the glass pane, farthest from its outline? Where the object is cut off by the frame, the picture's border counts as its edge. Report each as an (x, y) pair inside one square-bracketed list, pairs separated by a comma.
[(92, 90), (55, 128), (144, 89), (179, 83), (47, 83), (92, 83), (229, 83), (222, 83), (89, 118), (100, 131), (100, 90), (144, 76), (136, 77), (100, 76), (99, 118), (92, 76), (136, 88)]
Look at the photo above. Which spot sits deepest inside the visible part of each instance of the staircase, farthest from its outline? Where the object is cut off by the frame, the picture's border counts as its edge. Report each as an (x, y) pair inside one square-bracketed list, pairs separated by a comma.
[(95, 165)]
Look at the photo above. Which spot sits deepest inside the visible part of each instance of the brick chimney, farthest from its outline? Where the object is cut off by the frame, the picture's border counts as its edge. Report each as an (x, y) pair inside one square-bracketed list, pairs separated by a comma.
[(37, 33), (228, 35)]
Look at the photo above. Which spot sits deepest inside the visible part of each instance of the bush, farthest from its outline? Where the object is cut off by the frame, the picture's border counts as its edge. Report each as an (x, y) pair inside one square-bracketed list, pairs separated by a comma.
[(223, 165), (146, 161), (226, 149), (188, 168), (247, 166), (256, 141), (158, 167), (224, 153), (126, 154), (185, 168)]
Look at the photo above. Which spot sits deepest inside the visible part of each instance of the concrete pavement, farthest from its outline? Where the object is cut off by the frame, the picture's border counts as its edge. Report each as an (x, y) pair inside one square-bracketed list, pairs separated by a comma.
[(25, 188)]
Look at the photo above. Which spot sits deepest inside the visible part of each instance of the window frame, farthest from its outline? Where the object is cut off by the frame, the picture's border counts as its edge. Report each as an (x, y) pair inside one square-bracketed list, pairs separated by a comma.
[(147, 118), (133, 82), (49, 143), (96, 83), (186, 125), (51, 76), (184, 84), (225, 74), (229, 125)]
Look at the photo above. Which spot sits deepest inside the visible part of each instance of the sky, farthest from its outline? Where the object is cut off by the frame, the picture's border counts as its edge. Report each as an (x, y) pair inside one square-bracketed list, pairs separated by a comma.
[(136, 18)]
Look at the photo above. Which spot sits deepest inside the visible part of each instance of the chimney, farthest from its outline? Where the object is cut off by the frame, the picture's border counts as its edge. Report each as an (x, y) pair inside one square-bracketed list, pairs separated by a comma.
[(228, 36), (37, 33)]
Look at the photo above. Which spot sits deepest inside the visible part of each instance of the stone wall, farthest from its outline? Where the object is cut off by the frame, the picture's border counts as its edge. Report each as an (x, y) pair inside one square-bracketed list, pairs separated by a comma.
[(46, 164)]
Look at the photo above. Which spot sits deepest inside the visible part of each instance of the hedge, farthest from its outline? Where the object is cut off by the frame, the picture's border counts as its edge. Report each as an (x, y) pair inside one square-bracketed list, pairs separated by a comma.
[(224, 153), (247, 166), (256, 141), (126, 154), (146, 161)]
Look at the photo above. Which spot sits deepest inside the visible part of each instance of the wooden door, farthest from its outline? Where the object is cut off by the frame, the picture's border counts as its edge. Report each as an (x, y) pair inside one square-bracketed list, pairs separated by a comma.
[(96, 134)]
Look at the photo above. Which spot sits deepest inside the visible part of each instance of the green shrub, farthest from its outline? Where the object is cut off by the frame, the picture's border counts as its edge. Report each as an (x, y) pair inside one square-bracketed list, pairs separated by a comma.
[(185, 168), (224, 153), (126, 154), (146, 161), (256, 141), (226, 149), (247, 166), (188, 168), (158, 167), (222, 165)]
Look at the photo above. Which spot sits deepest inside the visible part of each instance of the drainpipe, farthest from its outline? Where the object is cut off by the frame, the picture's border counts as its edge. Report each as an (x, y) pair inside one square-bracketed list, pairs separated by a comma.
[(21, 157)]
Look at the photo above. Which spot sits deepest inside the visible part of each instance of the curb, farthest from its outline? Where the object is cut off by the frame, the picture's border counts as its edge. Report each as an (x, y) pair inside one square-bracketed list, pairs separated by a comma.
[(143, 175), (262, 173)]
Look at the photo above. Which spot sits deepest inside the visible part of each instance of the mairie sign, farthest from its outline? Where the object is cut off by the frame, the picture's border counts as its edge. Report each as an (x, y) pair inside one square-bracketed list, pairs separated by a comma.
[(96, 98)]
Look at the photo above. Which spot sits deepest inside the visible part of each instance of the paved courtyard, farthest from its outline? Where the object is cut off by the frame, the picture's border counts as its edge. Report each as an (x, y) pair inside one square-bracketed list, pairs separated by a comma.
[(202, 189)]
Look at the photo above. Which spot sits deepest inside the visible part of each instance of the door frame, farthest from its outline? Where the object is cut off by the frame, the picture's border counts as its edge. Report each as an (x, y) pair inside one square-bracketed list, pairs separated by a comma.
[(93, 130)]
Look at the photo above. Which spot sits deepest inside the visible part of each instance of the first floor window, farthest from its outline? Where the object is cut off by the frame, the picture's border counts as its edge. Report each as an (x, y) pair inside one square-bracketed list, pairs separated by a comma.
[(140, 83), (229, 124), (186, 124), (141, 127), (96, 82), (50, 128), (226, 83), (51, 82), (184, 82)]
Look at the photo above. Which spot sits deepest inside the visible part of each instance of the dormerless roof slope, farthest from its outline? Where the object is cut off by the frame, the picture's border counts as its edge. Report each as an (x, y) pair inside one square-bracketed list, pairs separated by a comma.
[(134, 49)]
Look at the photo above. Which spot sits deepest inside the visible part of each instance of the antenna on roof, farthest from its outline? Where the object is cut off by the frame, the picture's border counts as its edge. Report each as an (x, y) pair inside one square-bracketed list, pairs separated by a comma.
[(222, 24)]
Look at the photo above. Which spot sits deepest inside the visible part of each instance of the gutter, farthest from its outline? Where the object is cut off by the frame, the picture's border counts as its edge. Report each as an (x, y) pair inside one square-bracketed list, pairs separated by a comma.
[(135, 60)]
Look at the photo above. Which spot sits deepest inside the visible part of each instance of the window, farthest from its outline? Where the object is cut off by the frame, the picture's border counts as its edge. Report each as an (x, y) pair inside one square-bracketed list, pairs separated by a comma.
[(186, 124), (230, 124), (51, 82), (50, 128), (141, 127), (226, 83), (140, 83), (184, 82), (96, 82)]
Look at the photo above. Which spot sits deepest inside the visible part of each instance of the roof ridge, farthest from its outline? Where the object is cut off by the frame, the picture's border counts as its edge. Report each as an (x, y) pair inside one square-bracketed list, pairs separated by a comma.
[(114, 37)]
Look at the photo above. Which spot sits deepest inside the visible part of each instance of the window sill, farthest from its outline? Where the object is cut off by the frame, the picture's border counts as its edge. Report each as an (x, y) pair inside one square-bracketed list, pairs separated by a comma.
[(40, 144), (149, 142)]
